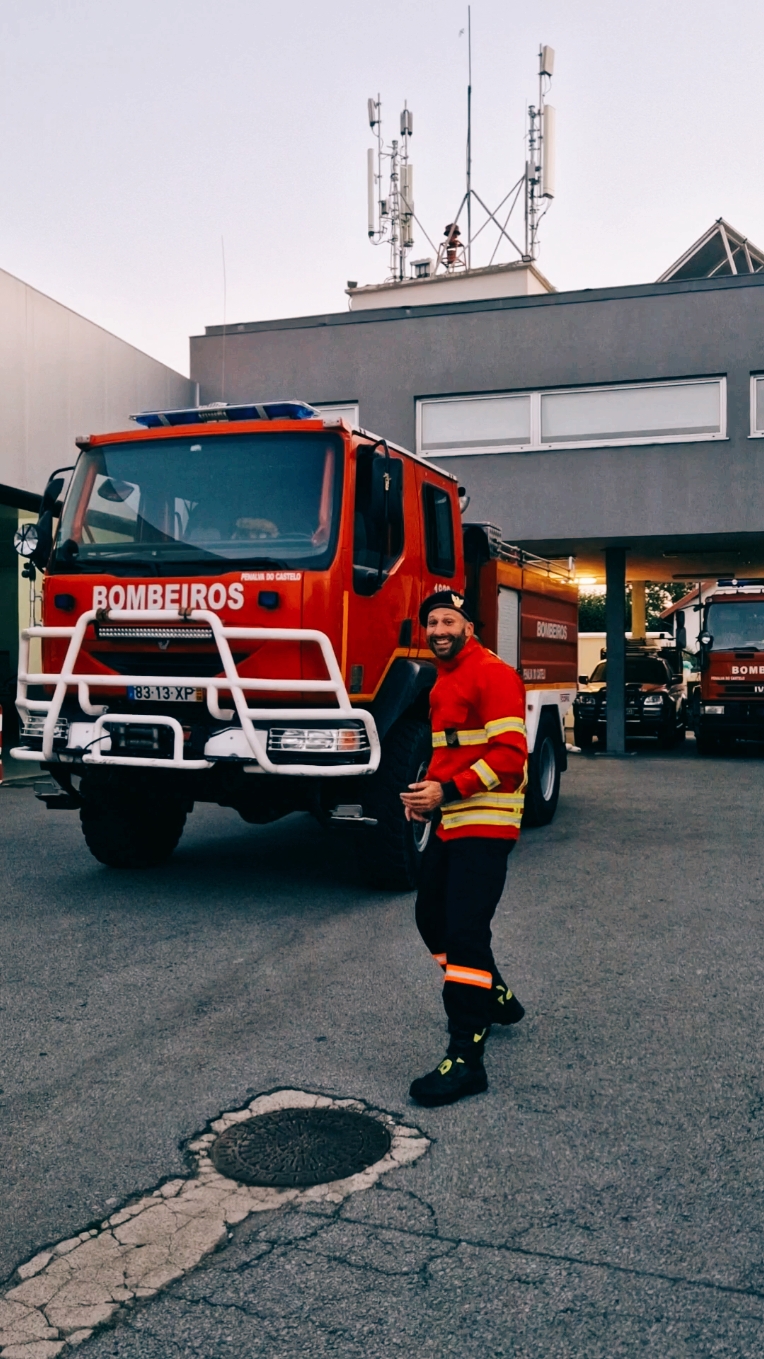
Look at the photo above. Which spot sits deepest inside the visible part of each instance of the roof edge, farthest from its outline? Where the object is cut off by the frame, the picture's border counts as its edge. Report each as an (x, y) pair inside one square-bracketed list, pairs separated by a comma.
[(573, 297)]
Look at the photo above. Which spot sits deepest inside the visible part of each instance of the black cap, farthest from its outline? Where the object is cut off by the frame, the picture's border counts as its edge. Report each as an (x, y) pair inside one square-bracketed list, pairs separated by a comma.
[(443, 599)]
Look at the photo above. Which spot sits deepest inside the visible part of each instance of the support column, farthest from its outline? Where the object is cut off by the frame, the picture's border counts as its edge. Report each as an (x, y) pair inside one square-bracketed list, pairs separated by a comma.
[(615, 624), (638, 610)]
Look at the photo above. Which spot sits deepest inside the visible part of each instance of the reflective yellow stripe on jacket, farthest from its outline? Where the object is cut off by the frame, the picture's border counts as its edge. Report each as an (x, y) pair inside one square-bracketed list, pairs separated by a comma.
[(487, 809), (477, 737), (484, 809), (486, 774), (502, 724)]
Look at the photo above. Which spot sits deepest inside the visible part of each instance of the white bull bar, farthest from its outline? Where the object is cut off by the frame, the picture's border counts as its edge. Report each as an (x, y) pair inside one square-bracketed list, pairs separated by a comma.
[(232, 682)]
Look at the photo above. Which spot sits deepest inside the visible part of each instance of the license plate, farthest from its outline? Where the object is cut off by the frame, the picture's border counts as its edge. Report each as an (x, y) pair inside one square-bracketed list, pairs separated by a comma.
[(164, 693)]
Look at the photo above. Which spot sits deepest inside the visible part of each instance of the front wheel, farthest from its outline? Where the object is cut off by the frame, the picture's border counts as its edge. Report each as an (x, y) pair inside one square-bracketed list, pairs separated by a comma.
[(712, 745), (667, 736), (392, 850), (583, 737), (544, 765), (126, 833)]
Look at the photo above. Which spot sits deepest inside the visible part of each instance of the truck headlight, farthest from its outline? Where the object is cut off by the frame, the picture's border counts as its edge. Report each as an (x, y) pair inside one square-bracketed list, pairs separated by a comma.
[(314, 740), (654, 700), (586, 700), (33, 727)]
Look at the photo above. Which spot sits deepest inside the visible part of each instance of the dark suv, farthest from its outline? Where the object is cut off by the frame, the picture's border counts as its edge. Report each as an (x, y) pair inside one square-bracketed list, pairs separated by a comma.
[(656, 702)]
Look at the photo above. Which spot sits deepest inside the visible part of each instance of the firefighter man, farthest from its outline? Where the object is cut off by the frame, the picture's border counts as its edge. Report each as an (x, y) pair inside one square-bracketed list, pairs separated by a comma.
[(473, 789)]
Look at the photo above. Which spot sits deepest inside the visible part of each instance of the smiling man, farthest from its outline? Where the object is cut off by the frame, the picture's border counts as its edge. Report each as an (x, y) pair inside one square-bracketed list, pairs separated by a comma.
[(473, 789)]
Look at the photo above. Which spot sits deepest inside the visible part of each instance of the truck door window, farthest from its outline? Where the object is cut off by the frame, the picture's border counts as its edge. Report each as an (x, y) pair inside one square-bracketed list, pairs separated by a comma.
[(378, 519), (438, 531)]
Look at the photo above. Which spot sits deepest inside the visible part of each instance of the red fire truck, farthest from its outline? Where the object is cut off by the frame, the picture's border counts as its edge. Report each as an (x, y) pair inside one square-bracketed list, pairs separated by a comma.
[(230, 616), (729, 702)]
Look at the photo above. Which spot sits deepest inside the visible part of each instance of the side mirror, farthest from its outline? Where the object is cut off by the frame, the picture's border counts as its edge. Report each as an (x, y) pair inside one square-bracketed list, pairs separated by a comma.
[(705, 642), (583, 679), (50, 495), (35, 541)]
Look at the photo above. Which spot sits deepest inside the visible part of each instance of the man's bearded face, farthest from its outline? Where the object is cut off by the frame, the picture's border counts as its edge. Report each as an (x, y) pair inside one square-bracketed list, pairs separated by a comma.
[(447, 632)]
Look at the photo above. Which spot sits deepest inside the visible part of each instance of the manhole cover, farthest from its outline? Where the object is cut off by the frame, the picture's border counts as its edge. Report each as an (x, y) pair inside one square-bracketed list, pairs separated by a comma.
[(298, 1147)]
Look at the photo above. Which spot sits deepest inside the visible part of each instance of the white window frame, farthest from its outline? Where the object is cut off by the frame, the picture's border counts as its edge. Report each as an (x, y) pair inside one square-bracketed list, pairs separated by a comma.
[(536, 446), (755, 433)]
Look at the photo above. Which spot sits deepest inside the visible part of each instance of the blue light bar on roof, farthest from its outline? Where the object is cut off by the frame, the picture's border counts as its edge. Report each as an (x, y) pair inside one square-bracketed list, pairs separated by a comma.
[(220, 411)]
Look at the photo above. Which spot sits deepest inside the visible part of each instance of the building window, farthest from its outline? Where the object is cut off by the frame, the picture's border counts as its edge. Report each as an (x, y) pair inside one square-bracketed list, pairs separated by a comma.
[(583, 417), (483, 423), (438, 531), (660, 410), (340, 410), (757, 407)]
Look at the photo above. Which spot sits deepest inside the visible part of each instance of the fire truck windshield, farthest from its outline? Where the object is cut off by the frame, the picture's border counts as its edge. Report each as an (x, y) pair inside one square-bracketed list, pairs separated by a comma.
[(190, 503), (738, 626)]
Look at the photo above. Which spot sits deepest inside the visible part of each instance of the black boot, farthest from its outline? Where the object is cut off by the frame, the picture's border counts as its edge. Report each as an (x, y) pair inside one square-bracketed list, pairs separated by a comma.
[(505, 1007), (460, 1073)]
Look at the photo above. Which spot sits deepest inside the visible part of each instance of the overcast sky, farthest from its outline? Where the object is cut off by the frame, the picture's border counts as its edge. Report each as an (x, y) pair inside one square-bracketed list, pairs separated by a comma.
[(136, 133)]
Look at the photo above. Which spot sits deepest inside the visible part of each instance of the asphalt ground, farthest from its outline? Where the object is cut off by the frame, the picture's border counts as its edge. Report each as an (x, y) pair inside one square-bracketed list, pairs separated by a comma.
[(604, 1198)]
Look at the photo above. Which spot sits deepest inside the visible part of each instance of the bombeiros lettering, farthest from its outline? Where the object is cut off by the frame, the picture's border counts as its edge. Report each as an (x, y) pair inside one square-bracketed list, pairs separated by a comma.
[(555, 632), (153, 597)]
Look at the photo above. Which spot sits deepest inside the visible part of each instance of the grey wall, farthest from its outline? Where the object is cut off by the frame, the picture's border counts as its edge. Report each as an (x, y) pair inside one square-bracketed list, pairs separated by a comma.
[(62, 376), (385, 360)]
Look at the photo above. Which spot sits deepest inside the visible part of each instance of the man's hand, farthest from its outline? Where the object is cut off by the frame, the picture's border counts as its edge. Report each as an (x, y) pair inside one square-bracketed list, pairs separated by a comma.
[(422, 799)]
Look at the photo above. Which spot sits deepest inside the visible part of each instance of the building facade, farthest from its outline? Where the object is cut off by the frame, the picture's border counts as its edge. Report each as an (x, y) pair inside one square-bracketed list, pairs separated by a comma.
[(628, 417), (620, 427), (62, 376)]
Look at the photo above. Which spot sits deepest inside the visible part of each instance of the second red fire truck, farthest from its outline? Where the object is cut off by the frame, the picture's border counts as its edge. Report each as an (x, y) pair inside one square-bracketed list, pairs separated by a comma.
[(728, 704)]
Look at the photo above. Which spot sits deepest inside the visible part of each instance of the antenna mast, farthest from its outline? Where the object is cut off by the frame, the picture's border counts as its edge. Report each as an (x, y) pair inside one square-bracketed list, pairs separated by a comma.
[(391, 218), (469, 136), (539, 167)]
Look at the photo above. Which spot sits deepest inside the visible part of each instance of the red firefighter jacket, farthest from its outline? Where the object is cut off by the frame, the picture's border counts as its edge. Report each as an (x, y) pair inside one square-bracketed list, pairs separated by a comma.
[(477, 709)]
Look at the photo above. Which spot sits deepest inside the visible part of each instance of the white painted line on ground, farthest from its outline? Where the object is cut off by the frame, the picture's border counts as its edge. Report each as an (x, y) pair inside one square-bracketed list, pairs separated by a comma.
[(68, 1289)]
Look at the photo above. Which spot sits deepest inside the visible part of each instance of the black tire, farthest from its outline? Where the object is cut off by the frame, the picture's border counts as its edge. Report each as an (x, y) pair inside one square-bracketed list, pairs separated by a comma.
[(583, 737), (706, 745), (668, 734), (544, 766), (392, 850), (122, 834)]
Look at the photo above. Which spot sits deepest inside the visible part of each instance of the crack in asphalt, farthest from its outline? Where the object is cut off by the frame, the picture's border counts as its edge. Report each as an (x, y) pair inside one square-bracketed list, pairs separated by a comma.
[(64, 1293), (377, 1231)]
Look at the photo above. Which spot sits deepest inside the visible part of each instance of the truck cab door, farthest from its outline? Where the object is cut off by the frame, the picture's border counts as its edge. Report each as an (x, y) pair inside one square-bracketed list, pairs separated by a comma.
[(380, 601)]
